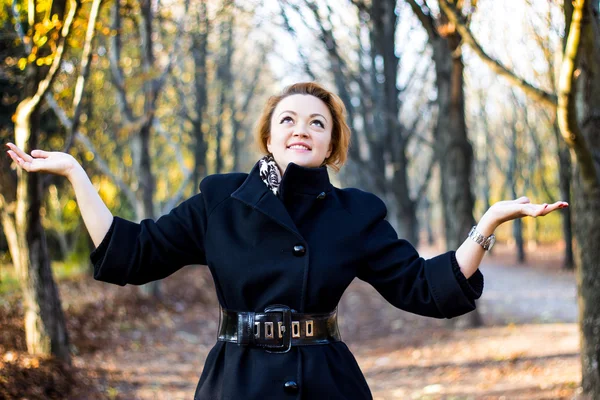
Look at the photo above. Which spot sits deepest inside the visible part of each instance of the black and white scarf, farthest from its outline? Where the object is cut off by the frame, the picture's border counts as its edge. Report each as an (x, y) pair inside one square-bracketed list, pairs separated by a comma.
[(269, 173)]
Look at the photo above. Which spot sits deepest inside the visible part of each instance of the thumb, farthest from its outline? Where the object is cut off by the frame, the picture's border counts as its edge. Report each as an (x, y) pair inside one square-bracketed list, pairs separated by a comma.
[(40, 153), (522, 200)]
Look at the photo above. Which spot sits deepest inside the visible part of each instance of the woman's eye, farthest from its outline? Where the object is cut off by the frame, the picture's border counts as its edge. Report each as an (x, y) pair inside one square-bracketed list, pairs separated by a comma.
[(319, 122), (285, 119)]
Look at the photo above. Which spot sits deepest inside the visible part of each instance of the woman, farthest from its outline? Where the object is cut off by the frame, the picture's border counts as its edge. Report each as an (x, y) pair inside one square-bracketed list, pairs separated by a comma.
[(282, 245)]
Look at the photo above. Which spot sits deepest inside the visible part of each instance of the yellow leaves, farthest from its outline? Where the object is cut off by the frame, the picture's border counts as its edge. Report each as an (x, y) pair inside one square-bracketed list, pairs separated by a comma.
[(22, 63), (71, 206), (45, 60), (127, 160), (107, 191), (186, 77)]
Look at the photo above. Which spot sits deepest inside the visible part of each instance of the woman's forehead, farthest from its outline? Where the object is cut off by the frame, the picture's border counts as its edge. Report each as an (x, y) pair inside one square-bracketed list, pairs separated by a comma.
[(302, 104)]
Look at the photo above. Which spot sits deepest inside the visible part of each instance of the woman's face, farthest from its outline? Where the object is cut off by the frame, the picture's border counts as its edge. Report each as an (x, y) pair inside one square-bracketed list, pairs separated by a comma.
[(300, 132)]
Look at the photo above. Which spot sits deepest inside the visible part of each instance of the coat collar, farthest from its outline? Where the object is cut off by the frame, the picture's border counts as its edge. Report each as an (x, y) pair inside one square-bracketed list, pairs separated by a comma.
[(296, 179), (304, 180)]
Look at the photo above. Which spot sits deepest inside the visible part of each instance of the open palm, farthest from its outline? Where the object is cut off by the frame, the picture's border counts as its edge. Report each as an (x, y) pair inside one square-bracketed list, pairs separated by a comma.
[(508, 210), (53, 162)]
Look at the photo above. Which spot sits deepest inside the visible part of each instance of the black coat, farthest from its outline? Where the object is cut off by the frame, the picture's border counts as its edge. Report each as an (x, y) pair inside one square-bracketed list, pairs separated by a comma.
[(246, 235)]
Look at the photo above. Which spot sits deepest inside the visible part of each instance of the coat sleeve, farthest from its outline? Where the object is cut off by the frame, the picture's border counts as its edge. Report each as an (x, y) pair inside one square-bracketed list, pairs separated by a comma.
[(139, 253), (435, 287)]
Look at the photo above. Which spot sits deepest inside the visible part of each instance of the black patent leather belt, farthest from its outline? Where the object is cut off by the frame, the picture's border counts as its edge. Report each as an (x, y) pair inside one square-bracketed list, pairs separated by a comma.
[(278, 328)]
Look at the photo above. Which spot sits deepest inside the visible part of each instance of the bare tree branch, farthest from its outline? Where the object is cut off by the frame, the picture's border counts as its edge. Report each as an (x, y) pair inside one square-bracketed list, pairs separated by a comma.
[(102, 165), (532, 91), (292, 31), (425, 184), (84, 69), (425, 18)]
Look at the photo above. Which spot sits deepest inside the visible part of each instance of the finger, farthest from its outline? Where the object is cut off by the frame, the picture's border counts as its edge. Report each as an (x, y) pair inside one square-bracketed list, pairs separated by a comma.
[(533, 210), (19, 161), (40, 153), (522, 200), (19, 152), (555, 206)]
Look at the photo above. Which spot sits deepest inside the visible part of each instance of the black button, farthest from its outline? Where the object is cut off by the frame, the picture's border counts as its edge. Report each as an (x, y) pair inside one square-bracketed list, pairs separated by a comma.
[(299, 250), (290, 387), (321, 196)]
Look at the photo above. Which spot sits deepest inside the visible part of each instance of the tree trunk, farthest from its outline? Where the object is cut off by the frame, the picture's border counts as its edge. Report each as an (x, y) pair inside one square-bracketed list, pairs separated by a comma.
[(586, 195), (564, 182), (199, 50), (45, 327), (512, 182), (578, 116), (392, 142), (453, 149), (146, 187)]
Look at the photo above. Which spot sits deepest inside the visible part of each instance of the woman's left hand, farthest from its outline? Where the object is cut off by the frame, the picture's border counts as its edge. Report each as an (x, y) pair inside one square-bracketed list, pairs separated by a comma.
[(508, 210)]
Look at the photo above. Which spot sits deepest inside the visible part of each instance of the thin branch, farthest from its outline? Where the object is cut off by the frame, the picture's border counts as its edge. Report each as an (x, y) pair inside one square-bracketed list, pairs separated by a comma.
[(102, 165), (425, 18), (114, 56), (292, 32), (425, 184), (532, 91), (86, 58), (178, 154), (19, 26)]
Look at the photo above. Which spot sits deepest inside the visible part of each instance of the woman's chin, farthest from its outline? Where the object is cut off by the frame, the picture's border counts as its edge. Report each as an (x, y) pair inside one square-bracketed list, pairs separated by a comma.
[(305, 163)]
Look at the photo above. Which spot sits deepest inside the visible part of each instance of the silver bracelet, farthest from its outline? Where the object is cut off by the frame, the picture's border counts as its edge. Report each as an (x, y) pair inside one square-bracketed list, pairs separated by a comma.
[(485, 242)]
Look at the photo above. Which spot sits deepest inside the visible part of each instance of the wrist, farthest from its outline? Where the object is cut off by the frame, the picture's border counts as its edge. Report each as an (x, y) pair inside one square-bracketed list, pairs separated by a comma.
[(75, 172), (487, 225)]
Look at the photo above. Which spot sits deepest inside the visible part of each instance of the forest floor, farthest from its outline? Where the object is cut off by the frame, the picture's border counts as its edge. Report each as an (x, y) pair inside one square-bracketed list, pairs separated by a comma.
[(127, 347)]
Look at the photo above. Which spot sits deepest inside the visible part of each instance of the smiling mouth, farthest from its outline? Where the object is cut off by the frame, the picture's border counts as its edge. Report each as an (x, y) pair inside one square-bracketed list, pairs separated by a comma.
[(298, 147)]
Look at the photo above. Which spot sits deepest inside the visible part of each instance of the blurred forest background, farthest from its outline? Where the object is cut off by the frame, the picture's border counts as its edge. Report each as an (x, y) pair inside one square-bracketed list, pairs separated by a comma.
[(453, 104)]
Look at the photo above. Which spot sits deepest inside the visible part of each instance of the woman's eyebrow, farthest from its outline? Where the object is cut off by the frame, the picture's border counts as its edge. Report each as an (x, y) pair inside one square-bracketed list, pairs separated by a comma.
[(311, 115)]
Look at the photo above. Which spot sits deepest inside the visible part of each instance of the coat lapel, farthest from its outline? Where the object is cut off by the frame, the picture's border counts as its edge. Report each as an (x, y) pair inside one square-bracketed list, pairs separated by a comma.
[(257, 195)]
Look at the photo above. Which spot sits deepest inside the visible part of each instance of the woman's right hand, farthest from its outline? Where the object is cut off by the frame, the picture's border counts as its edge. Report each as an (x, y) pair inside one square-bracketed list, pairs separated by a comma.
[(53, 162)]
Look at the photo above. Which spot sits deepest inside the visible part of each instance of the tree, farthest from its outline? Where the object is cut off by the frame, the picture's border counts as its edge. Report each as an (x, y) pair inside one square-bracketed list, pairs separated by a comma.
[(48, 25), (577, 107), (452, 147)]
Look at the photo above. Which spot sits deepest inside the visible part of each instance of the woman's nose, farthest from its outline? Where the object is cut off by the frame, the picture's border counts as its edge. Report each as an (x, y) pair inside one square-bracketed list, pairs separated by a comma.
[(300, 130)]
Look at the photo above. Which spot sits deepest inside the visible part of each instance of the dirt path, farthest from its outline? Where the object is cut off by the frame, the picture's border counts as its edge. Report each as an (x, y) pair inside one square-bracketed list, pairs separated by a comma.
[(403, 356)]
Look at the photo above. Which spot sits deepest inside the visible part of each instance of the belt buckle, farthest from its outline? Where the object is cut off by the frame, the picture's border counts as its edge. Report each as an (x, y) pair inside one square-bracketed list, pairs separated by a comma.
[(286, 335)]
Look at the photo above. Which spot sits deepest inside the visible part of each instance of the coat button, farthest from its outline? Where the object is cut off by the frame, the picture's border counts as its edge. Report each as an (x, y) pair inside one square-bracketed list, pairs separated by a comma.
[(290, 387), (299, 250), (321, 196)]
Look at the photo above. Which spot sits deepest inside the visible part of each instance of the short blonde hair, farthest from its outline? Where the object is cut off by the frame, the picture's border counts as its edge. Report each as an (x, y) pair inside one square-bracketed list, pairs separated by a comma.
[(340, 132)]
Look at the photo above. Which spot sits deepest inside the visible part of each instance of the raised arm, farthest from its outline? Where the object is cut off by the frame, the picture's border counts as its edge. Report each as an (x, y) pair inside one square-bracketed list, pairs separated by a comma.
[(96, 216)]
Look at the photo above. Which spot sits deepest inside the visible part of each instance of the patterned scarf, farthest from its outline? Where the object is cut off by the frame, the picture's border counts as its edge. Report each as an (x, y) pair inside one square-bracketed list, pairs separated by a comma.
[(269, 173)]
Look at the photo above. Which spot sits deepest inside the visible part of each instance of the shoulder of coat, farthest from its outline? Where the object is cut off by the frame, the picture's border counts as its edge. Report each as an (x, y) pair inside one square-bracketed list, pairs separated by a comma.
[(216, 187), (361, 203)]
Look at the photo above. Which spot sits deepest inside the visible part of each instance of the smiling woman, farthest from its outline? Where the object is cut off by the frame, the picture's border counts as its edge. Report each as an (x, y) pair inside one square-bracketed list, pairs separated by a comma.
[(283, 244)]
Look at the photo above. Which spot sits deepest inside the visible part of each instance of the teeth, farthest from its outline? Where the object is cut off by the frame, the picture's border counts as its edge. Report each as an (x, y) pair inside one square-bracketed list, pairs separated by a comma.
[(297, 146)]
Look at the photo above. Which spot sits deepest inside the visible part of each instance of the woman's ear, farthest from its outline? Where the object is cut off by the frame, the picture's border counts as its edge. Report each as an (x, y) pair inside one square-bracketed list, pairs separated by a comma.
[(269, 145)]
